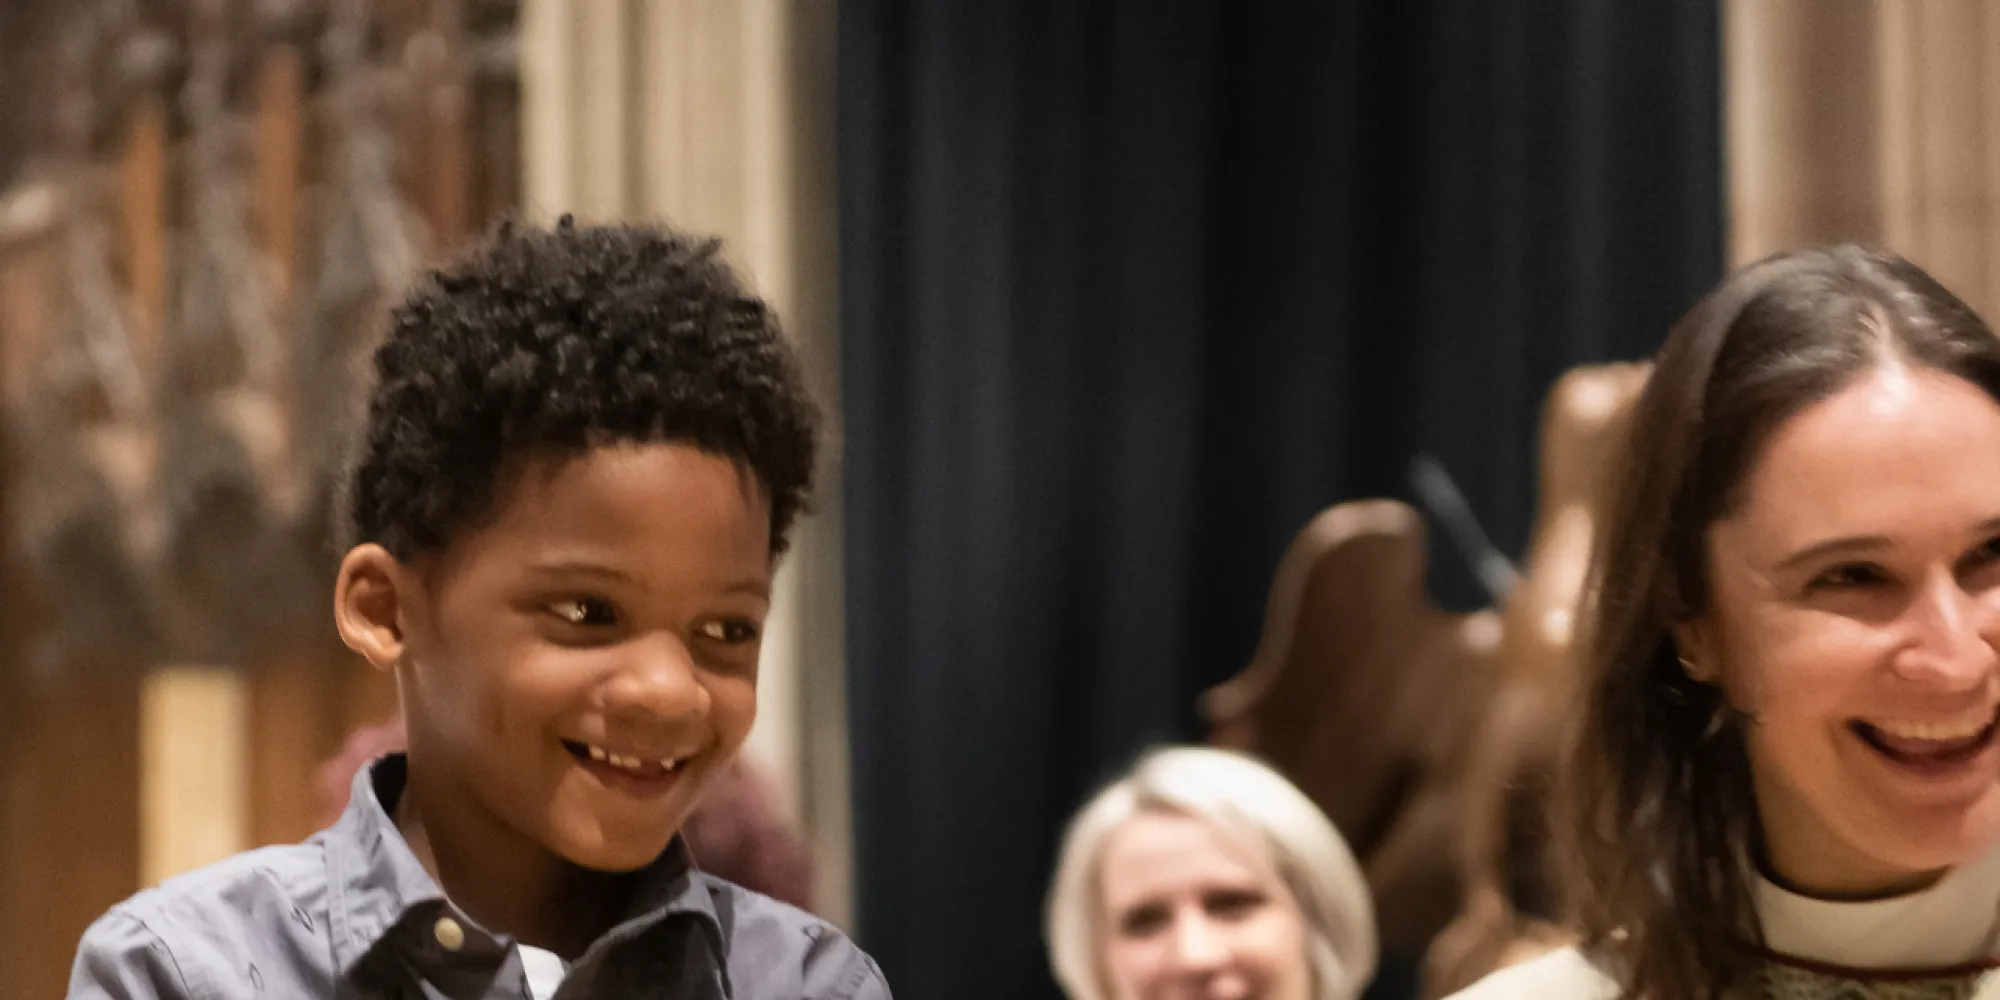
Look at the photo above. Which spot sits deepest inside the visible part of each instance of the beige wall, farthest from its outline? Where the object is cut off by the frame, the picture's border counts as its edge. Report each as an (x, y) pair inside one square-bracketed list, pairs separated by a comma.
[(1871, 120)]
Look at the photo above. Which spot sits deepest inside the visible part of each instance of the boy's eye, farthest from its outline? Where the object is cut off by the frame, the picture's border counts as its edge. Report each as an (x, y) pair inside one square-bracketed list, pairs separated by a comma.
[(585, 611), (730, 631)]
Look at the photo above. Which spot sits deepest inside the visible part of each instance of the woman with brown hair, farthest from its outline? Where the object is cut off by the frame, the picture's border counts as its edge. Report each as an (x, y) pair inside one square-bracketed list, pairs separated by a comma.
[(1784, 781)]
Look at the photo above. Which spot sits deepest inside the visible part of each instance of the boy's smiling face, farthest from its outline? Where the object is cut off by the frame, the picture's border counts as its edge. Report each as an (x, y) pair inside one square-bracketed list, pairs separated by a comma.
[(578, 665)]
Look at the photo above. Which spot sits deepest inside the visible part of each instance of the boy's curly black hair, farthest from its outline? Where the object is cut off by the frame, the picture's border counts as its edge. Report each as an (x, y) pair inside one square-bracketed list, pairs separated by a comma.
[(554, 341)]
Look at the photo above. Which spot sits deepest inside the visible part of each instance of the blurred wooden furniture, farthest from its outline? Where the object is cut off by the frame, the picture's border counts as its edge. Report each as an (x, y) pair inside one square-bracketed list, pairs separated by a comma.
[(1507, 772), (1429, 737), (1360, 691)]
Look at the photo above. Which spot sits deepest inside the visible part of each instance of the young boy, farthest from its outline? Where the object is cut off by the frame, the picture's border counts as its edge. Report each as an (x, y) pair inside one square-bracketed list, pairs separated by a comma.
[(583, 454)]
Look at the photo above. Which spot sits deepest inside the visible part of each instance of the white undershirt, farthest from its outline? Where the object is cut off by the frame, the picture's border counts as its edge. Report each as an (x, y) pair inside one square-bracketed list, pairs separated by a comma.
[(545, 971)]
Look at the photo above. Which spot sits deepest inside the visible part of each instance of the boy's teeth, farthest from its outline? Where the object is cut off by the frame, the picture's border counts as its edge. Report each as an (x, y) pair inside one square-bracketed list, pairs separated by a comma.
[(633, 764)]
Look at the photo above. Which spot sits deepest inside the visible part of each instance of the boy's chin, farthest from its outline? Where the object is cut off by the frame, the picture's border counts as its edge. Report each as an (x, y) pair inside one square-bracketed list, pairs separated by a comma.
[(600, 843), (598, 851), (591, 828)]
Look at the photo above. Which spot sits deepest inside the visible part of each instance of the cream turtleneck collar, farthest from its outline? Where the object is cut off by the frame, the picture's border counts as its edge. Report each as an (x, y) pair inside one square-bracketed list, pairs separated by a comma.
[(1953, 922)]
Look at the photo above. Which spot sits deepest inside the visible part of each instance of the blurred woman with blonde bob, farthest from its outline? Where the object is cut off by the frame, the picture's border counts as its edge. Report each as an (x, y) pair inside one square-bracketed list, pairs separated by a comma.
[(1205, 875)]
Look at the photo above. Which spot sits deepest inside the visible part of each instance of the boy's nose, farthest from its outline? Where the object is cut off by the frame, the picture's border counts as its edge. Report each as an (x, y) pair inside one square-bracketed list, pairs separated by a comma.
[(659, 681)]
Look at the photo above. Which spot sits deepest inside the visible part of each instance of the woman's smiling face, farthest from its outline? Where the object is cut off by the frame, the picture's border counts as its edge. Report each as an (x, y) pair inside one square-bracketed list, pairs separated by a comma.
[(1854, 615)]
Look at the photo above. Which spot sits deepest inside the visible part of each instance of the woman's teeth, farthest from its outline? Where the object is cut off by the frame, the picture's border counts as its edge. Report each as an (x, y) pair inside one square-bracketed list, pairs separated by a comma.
[(1931, 744), (1941, 732)]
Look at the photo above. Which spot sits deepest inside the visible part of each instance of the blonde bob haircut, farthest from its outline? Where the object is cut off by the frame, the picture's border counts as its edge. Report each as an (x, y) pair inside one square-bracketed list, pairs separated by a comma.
[(1247, 803)]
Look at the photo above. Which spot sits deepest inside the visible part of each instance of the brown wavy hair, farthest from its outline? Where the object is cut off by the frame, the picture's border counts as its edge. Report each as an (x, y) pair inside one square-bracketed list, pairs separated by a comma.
[(1658, 801)]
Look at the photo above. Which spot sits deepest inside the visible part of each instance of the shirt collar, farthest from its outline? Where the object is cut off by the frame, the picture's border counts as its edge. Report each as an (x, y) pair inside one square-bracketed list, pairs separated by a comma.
[(375, 882), (1950, 923)]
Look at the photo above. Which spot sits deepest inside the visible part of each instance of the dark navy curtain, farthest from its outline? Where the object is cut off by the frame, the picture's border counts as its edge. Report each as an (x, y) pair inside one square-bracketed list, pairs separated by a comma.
[(1130, 290)]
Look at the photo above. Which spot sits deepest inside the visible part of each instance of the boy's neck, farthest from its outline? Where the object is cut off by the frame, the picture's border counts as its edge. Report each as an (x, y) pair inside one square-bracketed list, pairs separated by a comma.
[(506, 883)]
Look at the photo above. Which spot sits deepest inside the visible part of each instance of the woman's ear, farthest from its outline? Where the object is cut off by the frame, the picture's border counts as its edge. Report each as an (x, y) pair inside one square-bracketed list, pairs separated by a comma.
[(369, 603), (1695, 647)]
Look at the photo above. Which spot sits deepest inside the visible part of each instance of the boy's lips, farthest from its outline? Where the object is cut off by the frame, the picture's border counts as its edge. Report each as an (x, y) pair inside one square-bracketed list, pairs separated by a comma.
[(615, 763)]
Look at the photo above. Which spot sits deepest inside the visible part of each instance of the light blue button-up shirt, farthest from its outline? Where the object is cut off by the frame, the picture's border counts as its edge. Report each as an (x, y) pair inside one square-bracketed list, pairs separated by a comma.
[(351, 914)]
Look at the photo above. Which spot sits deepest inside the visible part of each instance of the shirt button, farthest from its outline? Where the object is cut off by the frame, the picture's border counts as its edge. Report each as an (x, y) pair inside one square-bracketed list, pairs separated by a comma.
[(450, 936)]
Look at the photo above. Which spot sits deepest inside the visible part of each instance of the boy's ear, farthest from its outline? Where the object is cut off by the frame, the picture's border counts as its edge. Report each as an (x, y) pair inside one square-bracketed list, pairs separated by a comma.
[(368, 603)]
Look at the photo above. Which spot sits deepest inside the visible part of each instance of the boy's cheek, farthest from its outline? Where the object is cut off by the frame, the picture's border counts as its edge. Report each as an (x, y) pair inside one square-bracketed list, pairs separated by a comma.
[(733, 710)]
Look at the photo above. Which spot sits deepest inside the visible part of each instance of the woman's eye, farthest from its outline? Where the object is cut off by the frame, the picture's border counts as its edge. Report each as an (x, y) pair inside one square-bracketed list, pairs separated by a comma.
[(1848, 576), (1142, 921), (585, 611), (730, 631), (1976, 570), (1233, 905), (1986, 553)]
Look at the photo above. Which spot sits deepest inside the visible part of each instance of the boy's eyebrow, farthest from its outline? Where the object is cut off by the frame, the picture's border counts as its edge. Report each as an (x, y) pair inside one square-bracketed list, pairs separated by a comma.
[(580, 567), (752, 586)]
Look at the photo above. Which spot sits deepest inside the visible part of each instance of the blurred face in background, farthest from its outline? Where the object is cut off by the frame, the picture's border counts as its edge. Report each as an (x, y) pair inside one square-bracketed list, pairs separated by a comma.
[(1190, 914)]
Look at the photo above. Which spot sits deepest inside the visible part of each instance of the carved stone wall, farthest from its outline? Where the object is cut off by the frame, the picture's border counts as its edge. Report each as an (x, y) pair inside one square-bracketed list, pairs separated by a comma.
[(204, 209)]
